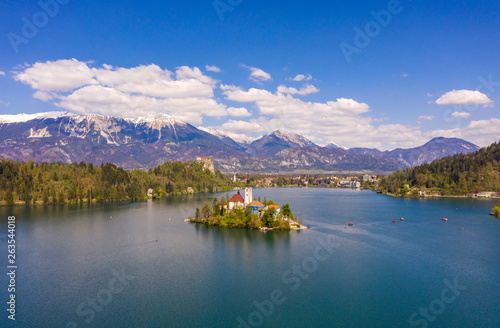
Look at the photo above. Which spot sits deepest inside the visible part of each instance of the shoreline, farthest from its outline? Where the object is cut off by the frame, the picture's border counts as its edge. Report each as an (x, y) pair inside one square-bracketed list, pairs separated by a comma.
[(438, 196), (293, 227)]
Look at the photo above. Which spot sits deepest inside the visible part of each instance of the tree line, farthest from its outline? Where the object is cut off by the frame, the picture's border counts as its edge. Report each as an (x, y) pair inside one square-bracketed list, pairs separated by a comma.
[(59, 183)]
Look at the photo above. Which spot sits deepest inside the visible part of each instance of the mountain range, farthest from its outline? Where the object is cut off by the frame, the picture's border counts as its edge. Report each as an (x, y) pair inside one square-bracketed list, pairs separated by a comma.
[(148, 141)]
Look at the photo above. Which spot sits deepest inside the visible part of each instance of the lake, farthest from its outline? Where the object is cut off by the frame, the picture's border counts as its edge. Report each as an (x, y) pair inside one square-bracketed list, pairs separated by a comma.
[(101, 266)]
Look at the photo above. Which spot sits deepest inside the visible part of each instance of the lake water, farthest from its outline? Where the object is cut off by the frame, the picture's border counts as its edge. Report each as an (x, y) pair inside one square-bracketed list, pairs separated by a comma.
[(374, 274)]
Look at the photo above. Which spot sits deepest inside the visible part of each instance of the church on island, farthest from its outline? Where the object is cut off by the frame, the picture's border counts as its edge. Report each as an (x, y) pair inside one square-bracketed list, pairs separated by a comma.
[(238, 201)]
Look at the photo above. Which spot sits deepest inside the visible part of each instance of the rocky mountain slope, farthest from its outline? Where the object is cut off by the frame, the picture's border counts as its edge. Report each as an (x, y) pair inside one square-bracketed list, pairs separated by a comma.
[(141, 142), (277, 141), (148, 141)]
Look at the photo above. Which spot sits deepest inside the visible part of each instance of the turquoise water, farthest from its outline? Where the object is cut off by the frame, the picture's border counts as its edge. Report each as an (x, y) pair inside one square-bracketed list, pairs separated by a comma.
[(374, 274)]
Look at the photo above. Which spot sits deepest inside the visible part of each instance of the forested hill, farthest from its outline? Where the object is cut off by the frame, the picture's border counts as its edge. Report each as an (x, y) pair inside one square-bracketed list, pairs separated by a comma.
[(454, 175), (57, 183)]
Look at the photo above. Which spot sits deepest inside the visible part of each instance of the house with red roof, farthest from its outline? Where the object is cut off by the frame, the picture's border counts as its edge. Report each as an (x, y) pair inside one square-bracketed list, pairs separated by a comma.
[(236, 201), (275, 208)]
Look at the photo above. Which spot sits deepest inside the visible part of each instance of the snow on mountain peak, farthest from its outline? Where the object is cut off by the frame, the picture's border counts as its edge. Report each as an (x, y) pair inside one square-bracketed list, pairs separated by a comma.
[(21, 118), (292, 137), (155, 118)]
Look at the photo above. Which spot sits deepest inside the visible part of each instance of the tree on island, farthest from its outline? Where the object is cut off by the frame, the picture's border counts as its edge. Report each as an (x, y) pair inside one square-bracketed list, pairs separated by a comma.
[(206, 210), (197, 214), (268, 218), (496, 210), (286, 210)]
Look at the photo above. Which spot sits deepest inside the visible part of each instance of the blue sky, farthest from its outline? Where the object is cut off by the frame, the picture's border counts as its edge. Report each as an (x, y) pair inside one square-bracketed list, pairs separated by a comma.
[(421, 76)]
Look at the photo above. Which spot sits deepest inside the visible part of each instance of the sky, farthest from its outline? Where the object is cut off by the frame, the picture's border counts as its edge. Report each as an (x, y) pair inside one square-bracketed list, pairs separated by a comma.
[(378, 74)]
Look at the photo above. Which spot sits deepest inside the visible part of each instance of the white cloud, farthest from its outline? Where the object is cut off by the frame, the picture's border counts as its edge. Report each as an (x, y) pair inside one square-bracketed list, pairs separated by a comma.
[(307, 89), (61, 75), (238, 112), (258, 75), (2, 73), (404, 75), (43, 96), (302, 77), (461, 114), (426, 117), (464, 98), (187, 94), (213, 68), (241, 127)]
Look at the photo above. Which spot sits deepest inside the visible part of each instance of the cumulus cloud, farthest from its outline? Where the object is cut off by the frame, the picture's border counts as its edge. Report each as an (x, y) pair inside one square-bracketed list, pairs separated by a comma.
[(258, 75), (426, 117), (213, 68), (461, 114), (238, 112), (307, 89), (43, 96), (464, 98), (2, 73), (61, 75), (302, 77), (187, 93)]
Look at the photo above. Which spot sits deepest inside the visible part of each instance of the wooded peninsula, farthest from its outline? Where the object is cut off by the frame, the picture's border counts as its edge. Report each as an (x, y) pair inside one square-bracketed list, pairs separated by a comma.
[(58, 183), (457, 175)]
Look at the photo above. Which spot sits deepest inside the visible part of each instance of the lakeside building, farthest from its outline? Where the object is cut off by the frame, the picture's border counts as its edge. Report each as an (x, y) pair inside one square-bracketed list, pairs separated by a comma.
[(257, 208), (236, 202)]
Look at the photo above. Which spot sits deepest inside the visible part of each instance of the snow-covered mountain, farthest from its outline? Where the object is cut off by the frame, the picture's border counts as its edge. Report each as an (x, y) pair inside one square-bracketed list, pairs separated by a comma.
[(277, 141), (333, 145), (224, 138), (141, 142), (149, 140)]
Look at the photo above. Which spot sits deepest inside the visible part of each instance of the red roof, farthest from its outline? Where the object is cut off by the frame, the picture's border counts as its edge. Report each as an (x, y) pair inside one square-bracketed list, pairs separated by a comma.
[(274, 207), (236, 198)]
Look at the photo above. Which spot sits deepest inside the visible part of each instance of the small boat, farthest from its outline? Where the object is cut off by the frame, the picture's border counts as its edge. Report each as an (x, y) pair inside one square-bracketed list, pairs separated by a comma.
[(351, 224), (445, 219), (402, 219), (492, 213), (394, 220)]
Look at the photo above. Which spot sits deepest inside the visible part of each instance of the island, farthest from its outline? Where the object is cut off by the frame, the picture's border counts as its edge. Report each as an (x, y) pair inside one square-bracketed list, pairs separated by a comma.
[(246, 212), (496, 210)]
